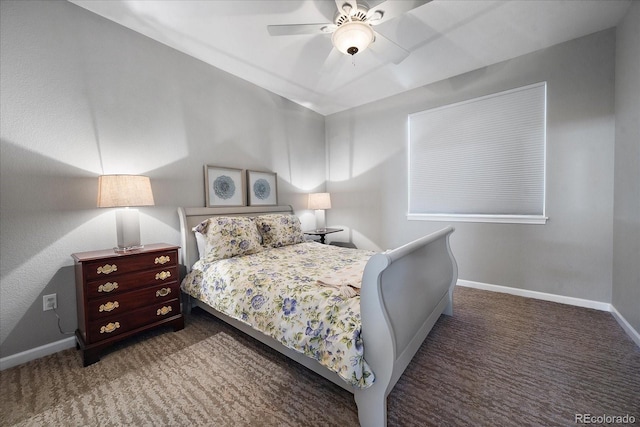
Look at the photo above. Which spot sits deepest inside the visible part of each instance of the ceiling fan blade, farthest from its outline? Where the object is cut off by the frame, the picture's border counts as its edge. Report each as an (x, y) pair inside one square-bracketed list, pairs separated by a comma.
[(353, 4), (297, 29), (388, 50), (339, 4), (392, 9)]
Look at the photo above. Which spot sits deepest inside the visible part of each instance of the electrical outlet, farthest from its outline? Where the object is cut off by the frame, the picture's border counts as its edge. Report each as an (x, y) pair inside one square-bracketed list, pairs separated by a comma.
[(49, 302)]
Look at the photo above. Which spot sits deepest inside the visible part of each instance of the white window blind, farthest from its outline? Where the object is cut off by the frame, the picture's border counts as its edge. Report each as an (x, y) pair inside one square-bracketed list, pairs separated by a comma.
[(481, 159)]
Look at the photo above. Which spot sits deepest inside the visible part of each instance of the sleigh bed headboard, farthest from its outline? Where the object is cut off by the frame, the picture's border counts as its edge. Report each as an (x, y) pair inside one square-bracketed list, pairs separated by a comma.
[(190, 217)]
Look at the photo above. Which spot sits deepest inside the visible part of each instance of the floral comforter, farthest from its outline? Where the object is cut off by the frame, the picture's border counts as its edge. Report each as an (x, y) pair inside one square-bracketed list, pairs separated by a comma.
[(276, 292)]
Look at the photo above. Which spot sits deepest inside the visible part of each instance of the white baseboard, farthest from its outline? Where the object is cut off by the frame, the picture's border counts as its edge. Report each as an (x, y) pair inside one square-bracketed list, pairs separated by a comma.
[(635, 336), (36, 353), (602, 306), (579, 302)]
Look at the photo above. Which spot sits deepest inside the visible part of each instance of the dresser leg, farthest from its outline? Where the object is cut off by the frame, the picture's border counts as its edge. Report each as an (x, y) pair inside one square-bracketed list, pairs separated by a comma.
[(178, 324), (89, 357)]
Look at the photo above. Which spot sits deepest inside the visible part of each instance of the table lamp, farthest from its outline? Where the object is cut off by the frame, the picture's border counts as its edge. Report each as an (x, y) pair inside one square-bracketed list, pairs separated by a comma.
[(124, 191), (319, 202)]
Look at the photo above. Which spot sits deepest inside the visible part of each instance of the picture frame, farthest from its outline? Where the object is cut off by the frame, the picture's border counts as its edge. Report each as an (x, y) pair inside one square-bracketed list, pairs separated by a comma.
[(224, 186), (262, 188)]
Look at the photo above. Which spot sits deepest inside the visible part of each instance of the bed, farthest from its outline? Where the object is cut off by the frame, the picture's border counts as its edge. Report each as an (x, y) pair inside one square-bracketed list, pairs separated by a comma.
[(402, 294)]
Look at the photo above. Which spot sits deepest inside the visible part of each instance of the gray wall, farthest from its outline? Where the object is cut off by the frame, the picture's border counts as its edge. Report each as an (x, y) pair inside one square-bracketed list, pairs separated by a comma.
[(626, 225), (83, 96), (572, 254)]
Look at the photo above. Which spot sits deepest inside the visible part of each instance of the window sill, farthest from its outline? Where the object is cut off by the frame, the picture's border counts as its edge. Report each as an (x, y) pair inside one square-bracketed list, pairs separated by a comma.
[(499, 219)]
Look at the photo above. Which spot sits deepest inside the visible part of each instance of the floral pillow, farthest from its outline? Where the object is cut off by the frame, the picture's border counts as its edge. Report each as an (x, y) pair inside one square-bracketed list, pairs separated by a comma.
[(279, 230), (226, 237)]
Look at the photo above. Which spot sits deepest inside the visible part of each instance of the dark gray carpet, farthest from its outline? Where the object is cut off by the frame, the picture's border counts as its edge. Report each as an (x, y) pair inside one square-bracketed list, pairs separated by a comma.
[(500, 360)]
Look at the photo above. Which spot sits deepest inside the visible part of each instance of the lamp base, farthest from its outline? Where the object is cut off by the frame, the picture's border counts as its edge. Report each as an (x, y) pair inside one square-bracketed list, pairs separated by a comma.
[(127, 249), (128, 230), (321, 224)]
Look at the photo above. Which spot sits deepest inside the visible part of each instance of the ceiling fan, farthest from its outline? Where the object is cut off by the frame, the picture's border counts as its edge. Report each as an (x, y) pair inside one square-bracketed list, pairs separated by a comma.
[(352, 29)]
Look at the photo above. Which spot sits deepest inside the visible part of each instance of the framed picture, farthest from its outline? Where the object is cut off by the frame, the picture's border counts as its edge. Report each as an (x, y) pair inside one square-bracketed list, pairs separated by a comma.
[(224, 186), (263, 188)]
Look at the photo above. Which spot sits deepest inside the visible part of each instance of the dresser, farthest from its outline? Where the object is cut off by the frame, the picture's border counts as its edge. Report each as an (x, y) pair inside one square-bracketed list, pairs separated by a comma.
[(122, 294)]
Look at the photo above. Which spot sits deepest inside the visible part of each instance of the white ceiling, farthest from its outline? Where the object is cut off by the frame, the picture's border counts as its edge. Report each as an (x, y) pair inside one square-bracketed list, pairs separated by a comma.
[(445, 38)]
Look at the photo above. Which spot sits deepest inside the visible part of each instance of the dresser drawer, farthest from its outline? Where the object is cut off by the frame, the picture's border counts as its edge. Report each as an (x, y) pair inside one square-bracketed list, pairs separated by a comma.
[(125, 302), (117, 324), (124, 283), (111, 267)]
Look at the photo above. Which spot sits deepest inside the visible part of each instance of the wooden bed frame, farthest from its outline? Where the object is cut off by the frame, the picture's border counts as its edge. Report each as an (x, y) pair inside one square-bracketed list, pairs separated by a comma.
[(404, 292)]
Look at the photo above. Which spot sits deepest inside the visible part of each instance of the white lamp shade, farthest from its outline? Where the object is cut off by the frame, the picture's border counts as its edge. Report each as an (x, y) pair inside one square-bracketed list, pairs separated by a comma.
[(352, 37), (124, 190), (319, 201)]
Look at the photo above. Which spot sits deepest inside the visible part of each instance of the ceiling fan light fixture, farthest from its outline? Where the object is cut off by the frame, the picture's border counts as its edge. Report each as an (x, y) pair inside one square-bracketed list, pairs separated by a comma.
[(353, 37)]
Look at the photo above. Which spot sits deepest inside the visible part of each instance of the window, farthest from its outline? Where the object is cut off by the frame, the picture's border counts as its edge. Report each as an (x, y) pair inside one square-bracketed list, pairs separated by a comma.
[(481, 160)]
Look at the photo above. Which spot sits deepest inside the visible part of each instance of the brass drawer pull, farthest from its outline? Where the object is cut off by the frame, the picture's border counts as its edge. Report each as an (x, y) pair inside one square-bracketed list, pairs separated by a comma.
[(108, 287), (107, 268), (109, 306), (109, 328), (162, 259), (163, 292), (164, 310), (163, 275)]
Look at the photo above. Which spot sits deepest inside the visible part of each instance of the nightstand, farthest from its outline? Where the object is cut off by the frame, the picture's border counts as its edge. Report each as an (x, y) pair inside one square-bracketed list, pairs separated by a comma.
[(323, 232), (122, 294)]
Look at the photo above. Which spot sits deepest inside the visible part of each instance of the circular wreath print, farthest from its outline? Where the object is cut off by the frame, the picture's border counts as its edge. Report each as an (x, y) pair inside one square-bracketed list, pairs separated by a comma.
[(261, 189), (224, 187)]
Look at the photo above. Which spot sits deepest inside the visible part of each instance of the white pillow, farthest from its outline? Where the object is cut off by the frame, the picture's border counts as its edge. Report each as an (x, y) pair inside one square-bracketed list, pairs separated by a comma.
[(202, 244)]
